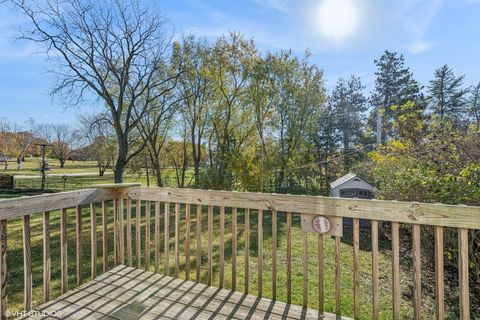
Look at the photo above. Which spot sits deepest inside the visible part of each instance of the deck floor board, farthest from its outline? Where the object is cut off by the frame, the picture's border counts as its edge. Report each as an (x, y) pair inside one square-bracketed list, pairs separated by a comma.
[(125, 293)]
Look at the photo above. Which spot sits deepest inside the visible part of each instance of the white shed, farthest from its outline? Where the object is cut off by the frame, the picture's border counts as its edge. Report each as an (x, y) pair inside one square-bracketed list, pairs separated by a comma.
[(351, 186)]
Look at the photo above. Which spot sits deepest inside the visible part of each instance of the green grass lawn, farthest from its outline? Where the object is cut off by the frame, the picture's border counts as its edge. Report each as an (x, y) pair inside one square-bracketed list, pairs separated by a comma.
[(15, 261), (29, 176)]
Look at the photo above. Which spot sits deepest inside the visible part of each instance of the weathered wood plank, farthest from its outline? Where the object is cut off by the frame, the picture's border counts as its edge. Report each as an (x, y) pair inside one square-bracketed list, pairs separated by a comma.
[(210, 242), (198, 248), (105, 236), (439, 275), (79, 245), (234, 249), (338, 278), (166, 258), (27, 264), (121, 231), (274, 255), (356, 268), (375, 270), (289, 257), (395, 271), (116, 231), (177, 239), (305, 269), (93, 240), (247, 250), (157, 236), (464, 291), (398, 211), (138, 233), (17, 207), (3, 266), (187, 241), (47, 260), (148, 239), (417, 273), (321, 271), (129, 233), (222, 246), (260, 252), (63, 251)]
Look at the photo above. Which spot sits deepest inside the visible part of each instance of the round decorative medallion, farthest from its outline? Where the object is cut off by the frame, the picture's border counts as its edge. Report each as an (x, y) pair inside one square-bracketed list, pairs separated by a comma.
[(321, 224)]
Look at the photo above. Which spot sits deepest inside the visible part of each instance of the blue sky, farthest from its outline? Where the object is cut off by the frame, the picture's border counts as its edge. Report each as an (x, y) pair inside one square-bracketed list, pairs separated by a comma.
[(345, 36)]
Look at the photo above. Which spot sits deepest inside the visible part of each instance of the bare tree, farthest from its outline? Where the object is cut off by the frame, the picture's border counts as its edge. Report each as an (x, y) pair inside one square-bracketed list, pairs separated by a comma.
[(24, 141), (61, 138), (7, 143), (111, 48)]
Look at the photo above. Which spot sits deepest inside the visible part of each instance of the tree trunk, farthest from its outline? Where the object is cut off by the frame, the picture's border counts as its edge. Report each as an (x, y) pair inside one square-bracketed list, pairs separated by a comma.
[(101, 170), (119, 169), (62, 163)]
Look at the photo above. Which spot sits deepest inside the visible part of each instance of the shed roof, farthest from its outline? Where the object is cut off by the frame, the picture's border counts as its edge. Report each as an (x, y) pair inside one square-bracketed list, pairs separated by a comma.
[(349, 176)]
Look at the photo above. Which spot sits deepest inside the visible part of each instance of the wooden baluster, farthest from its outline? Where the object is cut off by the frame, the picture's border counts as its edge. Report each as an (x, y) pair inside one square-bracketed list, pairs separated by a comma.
[(463, 274), (356, 268), (396, 270), (138, 233), (375, 278), (305, 269), (260, 253), (210, 239), (27, 264), (121, 231), (338, 280), (289, 257), (93, 240), (105, 236), (274, 255), (247, 250), (177, 239), (321, 268), (417, 280), (234, 249), (199, 244), (187, 241), (147, 235), (79, 245), (116, 243), (157, 236), (3, 268), (222, 246), (47, 261), (129, 233), (439, 272), (63, 251), (166, 261)]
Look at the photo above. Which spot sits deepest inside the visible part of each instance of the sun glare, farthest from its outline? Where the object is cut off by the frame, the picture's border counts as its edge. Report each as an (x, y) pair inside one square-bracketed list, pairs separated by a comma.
[(336, 19)]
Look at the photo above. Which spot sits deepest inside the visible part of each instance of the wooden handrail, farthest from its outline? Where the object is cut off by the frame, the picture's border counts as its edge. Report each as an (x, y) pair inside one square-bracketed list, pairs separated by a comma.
[(456, 216), (18, 207)]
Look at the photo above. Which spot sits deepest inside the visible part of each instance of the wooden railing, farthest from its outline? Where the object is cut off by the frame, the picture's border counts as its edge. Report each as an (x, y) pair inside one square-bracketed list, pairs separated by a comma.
[(233, 219)]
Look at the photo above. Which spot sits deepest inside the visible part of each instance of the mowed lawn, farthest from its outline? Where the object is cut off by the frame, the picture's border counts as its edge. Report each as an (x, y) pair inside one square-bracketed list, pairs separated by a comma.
[(76, 175), (15, 259)]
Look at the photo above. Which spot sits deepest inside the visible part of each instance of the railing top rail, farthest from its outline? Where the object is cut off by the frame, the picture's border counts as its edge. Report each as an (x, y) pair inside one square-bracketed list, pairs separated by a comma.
[(12, 208), (456, 216)]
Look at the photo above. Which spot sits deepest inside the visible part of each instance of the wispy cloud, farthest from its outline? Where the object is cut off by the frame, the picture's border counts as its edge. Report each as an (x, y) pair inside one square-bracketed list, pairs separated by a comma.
[(278, 5), (417, 16)]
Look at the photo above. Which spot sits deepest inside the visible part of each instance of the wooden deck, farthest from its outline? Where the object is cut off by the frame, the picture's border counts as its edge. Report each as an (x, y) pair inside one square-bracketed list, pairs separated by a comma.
[(126, 293)]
